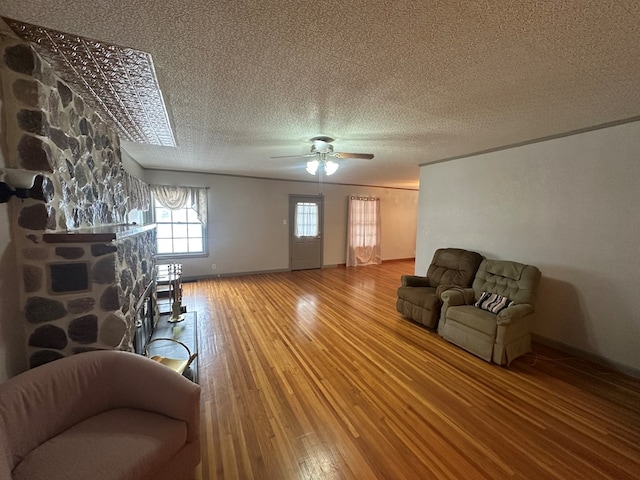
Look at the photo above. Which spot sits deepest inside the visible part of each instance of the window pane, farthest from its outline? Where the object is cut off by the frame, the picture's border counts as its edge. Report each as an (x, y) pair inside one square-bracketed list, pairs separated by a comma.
[(195, 230), (164, 230), (180, 231), (165, 246), (181, 245), (180, 215), (195, 245), (306, 220), (163, 215), (192, 216)]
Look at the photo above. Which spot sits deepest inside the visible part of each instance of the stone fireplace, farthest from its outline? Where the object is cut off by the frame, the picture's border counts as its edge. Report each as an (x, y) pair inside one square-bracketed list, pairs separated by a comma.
[(84, 270), (84, 290)]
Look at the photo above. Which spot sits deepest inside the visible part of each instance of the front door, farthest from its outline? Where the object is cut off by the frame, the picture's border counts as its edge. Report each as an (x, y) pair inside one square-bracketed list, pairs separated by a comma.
[(305, 232)]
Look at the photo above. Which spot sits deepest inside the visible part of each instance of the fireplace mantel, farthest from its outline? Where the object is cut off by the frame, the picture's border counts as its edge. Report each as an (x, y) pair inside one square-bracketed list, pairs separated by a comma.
[(105, 233)]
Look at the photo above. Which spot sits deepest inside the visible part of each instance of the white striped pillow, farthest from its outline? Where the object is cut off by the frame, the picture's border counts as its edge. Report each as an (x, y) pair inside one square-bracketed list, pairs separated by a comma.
[(492, 302)]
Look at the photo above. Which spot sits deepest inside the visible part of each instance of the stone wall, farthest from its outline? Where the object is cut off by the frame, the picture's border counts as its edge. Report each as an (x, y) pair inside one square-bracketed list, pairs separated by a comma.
[(102, 315), (49, 129)]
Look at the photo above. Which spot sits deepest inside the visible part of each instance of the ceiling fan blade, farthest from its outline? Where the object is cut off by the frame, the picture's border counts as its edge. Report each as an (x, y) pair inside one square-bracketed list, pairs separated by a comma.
[(296, 156), (366, 156)]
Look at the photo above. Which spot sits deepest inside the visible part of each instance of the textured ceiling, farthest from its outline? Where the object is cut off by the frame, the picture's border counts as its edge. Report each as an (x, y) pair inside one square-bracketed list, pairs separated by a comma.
[(411, 82)]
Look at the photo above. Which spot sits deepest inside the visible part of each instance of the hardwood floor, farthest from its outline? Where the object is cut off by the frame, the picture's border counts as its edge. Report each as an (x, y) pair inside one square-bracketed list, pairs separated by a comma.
[(314, 375)]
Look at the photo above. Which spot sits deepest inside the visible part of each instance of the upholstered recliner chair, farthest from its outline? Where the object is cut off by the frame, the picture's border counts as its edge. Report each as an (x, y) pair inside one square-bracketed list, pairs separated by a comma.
[(99, 415), (419, 297), (491, 319)]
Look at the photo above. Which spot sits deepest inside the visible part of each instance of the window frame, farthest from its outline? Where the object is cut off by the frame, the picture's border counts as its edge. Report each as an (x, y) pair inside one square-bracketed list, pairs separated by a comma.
[(203, 227)]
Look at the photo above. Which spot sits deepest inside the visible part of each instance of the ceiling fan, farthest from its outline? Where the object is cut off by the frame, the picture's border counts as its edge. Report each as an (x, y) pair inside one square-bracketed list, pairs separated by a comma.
[(321, 148)]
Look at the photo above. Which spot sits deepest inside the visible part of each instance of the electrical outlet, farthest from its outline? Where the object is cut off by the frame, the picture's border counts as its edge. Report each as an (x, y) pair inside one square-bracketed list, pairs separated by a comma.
[(213, 266)]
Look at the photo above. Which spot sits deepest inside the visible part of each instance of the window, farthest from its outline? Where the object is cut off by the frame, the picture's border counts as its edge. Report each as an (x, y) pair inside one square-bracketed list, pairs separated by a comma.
[(306, 219), (363, 231), (180, 216)]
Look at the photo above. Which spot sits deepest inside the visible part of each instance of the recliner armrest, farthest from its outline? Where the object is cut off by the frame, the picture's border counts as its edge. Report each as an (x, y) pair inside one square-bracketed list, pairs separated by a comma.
[(457, 296), (414, 281), (513, 313)]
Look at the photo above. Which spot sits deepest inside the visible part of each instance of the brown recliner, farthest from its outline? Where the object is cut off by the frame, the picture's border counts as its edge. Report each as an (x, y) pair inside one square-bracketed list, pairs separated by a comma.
[(419, 297), (491, 319)]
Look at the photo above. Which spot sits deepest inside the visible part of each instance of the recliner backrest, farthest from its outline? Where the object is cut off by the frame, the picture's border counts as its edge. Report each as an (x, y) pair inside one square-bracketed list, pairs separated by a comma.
[(453, 266), (516, 281)]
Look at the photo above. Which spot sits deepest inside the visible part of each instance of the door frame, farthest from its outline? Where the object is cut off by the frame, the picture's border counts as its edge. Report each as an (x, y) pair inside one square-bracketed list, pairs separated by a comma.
[(293, 199)]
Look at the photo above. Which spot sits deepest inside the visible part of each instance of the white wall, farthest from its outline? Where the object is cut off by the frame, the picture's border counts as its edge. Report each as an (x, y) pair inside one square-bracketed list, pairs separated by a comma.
[(570, 206), (246, 230)]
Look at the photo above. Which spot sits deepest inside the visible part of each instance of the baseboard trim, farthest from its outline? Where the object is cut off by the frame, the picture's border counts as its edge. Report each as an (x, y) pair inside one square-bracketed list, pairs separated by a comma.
[(391, 260), (591, 357), (195, 278)]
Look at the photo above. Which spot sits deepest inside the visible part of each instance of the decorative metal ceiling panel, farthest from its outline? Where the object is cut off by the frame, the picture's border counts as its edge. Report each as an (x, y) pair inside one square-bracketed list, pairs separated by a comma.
[(117, 81)]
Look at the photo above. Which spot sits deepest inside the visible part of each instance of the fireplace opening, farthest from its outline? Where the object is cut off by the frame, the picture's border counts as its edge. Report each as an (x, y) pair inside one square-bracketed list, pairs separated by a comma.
[(144, 319)]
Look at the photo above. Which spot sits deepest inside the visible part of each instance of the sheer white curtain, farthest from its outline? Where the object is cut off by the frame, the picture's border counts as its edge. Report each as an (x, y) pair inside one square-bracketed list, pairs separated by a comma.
[(306, 221), (174, 197), (363, 231)]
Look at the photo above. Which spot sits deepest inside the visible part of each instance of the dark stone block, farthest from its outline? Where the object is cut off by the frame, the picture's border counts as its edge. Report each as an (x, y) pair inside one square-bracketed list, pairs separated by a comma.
[(87, 193), (20, 58), (33, 121), (37, 191), (99, 249), (34, 154), (69, 277), (59, 138), (71, 169), (126, 304), (74, 146), (83, 329), (66, 95), (78, 104), (70, 253), (126, 280), (89, 144), (81, 175), (39, 310), (54, 104), (73, 123), (104, 270), (43, 356), (27, 91), (109, 300), (51, 220), (33, 277), (81, 305), (34, 217), (113, 330), (84, 126), (48, 188), (102, 213), (48, 336)]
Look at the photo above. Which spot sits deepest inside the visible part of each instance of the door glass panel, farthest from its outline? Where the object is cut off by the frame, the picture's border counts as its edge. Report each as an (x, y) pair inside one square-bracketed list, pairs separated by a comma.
[(306, 219)]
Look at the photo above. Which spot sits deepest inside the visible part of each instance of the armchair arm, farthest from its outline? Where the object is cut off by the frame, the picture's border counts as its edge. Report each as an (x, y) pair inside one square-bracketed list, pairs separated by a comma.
[(138, 382), (457, 296), (414, 281), (510, 314)]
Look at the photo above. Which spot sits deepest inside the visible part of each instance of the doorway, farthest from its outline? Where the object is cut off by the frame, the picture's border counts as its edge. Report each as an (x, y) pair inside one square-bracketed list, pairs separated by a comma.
[(305, 232)]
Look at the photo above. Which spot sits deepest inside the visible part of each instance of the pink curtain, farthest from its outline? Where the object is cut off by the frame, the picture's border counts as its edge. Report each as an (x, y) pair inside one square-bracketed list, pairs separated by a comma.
[(363, 231)]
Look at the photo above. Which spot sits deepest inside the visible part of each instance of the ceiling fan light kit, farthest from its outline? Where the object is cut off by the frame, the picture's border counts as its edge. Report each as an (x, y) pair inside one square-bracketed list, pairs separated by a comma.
[(321, 148), (327, 167)]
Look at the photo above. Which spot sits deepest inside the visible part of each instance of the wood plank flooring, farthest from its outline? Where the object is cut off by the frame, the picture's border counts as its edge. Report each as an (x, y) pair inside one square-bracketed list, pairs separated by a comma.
[(314, 375)]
